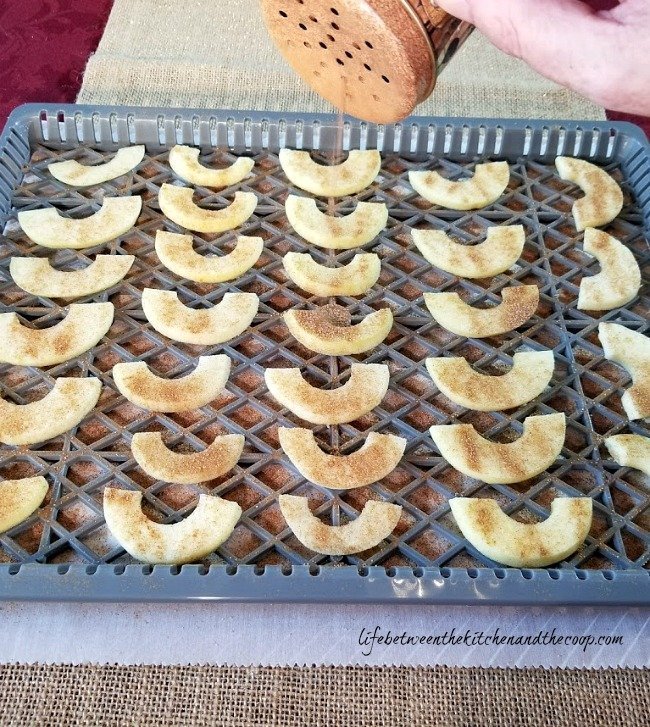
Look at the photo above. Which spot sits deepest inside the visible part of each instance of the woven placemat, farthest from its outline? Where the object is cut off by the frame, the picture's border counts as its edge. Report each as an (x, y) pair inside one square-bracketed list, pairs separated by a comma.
[(324, 696), (207, 54)]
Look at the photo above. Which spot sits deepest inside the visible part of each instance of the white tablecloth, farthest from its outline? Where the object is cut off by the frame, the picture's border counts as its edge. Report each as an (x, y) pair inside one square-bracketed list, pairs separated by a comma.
[(243, 634)]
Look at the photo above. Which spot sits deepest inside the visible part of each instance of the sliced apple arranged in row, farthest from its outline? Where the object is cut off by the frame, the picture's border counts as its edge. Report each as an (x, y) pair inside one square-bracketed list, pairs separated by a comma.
[(475, 456), (530, 374), (19, 499), (328, 329), (356, 173), (62, 408), (487, 184), (376, 459), (336, 233), (362, 392), (49, 229), (184, 161), (162, 463), (524, 545), (178, 204), (499, 252), (82, 328), (619, 279), (355, 278), (201, 326), (177, 254), (139, 385), (84, 175), (38, 277), (518, 304), (209, 525), (603, 198), (631, 350)]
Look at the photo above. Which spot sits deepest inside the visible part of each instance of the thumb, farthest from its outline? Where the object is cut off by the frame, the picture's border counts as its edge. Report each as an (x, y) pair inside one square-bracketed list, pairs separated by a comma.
[(561, 39)]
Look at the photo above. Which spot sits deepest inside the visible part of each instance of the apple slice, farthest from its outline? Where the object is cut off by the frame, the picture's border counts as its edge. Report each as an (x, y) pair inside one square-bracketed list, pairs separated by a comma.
[(84, 326), (327, 329), (375, 523), (177, 254), (162, 463), (19, 499), (355, 278), (38, 277), (603, 198), (135, 381), (451, 312), (538, 447), (211, 524), (376, 459), (356, 173), (619, 279), (528, 377), (82, 175), (631, 350), (485, 187), (48, 228), (336, 233), (184, 161), (61, 409), (177, 204), (361, 393), (630, 450), (499, 252), (523, 545), (202, 326)]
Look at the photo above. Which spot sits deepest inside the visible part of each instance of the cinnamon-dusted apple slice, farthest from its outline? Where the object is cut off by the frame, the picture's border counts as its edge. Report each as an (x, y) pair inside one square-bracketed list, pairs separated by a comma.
[(327, 329), (375, 523), (361, 393), (499, 252), (376, 459), (523, 545), (630, 450), (82, 175), (484, 188), (162, 463), (451, 312), (210, 525), (603, 198), (336, 233), (198, 388), (184, 161), (177, 204), (473, 455), (177, 254), (528, 377), (19, 499), (631, 350), (619, 278), (38, 277), (62, 408), (202, 326), (355, 278), (356, 173), (83, 327), (48, 228)]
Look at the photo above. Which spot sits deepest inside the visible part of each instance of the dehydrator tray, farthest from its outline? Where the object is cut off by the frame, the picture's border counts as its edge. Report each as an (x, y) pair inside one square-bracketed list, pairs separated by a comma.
[(64, 551)]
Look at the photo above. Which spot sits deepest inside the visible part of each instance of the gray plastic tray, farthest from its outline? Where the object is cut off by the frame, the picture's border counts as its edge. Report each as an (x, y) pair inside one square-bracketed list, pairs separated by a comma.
[(65, 551)]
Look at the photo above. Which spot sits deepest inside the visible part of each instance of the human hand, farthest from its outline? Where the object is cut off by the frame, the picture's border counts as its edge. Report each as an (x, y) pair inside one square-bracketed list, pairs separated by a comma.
[(602, 55)]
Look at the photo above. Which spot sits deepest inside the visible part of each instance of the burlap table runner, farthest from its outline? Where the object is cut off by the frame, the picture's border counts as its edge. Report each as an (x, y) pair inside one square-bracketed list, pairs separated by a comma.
[(217, 54), (323, 696)]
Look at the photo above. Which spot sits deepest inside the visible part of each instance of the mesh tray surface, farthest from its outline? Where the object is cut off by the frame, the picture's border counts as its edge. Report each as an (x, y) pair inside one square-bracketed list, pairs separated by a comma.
[(80, 464)]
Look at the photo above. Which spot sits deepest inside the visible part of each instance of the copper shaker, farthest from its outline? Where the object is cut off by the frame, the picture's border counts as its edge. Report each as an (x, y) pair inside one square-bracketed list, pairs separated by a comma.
[(374, 59)]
